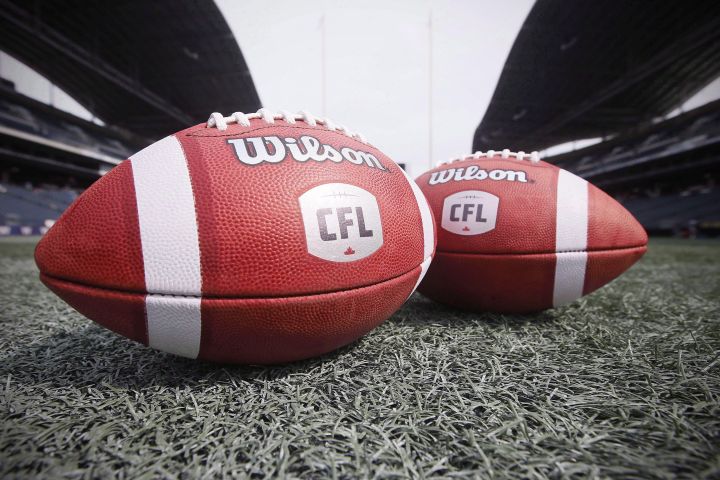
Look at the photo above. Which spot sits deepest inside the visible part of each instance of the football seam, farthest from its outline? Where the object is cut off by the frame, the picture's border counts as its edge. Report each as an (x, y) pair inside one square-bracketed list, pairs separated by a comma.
[(219, 297), (614, 249)]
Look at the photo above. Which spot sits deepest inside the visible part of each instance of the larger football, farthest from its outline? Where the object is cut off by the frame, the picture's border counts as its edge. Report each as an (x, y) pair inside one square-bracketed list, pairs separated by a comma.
[(254, 238)]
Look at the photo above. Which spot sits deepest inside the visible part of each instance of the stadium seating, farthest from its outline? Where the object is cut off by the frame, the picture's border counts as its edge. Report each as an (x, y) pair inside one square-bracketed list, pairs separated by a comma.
[(681, 135), (670, 213), (26, 211)]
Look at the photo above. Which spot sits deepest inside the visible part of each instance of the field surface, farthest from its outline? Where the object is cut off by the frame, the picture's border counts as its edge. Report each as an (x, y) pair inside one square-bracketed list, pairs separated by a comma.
[(624, 383)]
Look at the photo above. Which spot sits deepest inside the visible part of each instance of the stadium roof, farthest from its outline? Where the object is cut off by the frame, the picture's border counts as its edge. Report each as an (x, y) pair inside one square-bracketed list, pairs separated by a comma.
[(589, 69), (151, 67)]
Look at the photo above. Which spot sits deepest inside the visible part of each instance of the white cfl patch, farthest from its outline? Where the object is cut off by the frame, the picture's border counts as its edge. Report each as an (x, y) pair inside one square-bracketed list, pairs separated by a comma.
[(470, 212), (342, 222)]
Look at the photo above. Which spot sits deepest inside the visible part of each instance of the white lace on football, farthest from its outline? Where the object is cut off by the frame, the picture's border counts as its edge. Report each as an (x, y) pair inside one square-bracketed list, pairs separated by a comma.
[(533, 157), (220, 122)]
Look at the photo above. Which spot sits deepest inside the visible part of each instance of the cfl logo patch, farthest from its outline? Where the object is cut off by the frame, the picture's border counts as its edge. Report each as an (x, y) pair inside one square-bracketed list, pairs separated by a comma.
[(470, 212), (342, 222)]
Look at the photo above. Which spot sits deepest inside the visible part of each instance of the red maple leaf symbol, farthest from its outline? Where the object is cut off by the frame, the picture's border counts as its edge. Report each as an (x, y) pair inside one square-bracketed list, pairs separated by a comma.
[(466, 229), (349, 251)]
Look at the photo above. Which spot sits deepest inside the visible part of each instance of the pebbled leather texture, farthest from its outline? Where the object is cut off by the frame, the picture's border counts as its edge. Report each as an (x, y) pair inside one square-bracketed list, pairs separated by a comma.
[(513, 267), (96, 241), (249, 212), (513, 283), (125, 241), (254, 330)]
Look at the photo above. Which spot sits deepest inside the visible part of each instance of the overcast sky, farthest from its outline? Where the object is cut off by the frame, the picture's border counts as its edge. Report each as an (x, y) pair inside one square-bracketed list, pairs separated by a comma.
[(414, 76)]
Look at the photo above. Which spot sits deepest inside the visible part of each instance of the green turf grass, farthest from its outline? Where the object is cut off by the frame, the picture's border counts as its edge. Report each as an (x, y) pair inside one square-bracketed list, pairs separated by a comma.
[(623, 383)]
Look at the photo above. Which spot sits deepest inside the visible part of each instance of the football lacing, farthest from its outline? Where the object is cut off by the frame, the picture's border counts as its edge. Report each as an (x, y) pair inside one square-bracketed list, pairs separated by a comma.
[(221, 123), (534, 157)]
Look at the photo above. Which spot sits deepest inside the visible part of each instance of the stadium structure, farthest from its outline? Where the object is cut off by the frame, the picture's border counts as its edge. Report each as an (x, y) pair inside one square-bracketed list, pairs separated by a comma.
[(98, 53), (619, 73)]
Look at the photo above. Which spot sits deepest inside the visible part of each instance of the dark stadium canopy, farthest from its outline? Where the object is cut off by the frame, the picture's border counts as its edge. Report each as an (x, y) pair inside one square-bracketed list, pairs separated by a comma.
[(592, 68), (150, 67)]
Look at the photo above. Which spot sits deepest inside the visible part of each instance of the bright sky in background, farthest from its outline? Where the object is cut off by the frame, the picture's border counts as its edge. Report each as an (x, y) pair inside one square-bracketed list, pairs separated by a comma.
[(414, 76)]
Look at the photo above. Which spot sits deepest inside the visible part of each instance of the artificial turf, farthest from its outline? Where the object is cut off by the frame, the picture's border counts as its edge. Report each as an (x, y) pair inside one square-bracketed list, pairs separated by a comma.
[(624, 383)]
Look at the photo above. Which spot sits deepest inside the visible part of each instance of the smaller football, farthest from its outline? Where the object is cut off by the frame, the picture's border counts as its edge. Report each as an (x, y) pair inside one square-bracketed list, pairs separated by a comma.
[(519, 235)]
